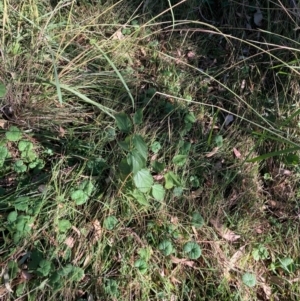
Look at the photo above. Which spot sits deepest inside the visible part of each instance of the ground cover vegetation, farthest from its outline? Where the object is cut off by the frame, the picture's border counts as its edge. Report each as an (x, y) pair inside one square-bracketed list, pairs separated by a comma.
[(149, 150)]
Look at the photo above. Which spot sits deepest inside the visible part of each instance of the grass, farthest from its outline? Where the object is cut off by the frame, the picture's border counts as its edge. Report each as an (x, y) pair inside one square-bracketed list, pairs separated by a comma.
[(149, 151)]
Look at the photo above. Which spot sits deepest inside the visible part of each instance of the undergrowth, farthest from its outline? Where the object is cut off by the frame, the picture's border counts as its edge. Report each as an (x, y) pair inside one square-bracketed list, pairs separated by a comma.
[(149, 150)]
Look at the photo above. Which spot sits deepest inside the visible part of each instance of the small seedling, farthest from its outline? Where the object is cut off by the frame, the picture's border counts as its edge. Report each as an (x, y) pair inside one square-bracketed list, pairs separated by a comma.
[(192, 250)]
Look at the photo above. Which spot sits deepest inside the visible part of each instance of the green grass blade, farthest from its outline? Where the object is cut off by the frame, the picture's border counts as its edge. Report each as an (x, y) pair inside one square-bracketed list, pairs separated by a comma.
[(273, 154)]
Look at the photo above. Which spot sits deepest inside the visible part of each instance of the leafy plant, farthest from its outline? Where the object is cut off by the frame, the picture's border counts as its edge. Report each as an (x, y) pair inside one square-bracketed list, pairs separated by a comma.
[(260, 253), (249, 279), (110, 222), (83, 193), (141, 265), (192, 250), (197, 220), (13, 134), (158, 192), (166, 247)]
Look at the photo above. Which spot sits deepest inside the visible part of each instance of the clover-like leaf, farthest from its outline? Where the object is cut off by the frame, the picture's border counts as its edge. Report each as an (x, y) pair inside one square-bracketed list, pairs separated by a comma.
[(110, 222), (166, 247), (13, 134), (79, 197), (3, 152), (19, 166), (192, 249), (141, 265), (64, 225), (249, 279), (44, 267), (197, 220)]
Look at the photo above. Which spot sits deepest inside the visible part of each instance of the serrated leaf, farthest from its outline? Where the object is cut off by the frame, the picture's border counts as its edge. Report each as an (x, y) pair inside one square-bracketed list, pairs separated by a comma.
[(249, 279), (136, 160), (179, 160), (143, 180), (77, 274), (44, 267), (158, 192), (158, 166), (123, 122), (79, 197), (141, 265), (110, 222), (140, 145), (155, 147), (19, 166), (124, 145), (140, 197), (25, 145), (138, 116), (64, 225), (166, 247), (13, 134), (192, 249), (3, 152), (87, 186), (171, 180), (197, 220), (2, 90)]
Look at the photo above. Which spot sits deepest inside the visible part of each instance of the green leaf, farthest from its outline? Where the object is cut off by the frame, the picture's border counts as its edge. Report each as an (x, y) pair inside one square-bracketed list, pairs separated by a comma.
[(110, 222), (157, 166), (2, 90), (178, 191), (12, 216), (166, 247), (13, 134), (79, 197), (3, 152), (192, 249), (123, 122), (143, 180), (44, 267), (179, 160), (158, 192), (19, 166), (140, 145), (64, 225), (140, 197), (76, 274), (141, 265), (197, 220), (125, 145), (124, 167), (13, 269), (155, 147), (145, 253), (87, 187), (249, 279), (190, 118), (22, 203), (25, 145), (171, 180), (136, 161), (138, 116), (286, 262), (219, 140)]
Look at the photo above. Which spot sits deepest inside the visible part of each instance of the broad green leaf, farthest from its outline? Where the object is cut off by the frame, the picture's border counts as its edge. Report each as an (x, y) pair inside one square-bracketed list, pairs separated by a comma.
[(123, 122), (192, 249), (110, 222), (87, 186), (219, 140), (185, 148), (12, 216), (155, 147), (171, 180), (124, 167), (64, 225), (249, 279), (138, 116), (76, 274), (145, 253), (158, 166), (286, 262), (79, 197), (25, 145), (141, 265), (125, 145), (143, 180), (177, 191), (140, 145), (44, 267), (158, 192), (190, 118), (166, 247), (2, 90), (22, 203), (19, 166), (197, 220), (13, 134), (140, 197), (179, 160), (136, 160), (3, 152)]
